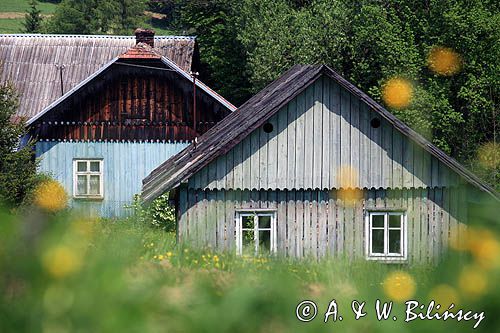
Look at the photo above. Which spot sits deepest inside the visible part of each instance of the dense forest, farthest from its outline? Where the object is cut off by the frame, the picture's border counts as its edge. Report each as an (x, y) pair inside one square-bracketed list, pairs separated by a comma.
[(443, 55)]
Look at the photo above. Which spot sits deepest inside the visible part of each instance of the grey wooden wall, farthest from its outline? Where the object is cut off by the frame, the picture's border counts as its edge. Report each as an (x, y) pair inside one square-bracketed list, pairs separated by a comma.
[(322, 129), (317, 223)]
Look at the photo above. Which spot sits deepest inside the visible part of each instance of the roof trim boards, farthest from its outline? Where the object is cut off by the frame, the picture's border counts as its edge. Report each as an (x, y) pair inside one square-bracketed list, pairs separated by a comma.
[(236, 126), (165, 60)]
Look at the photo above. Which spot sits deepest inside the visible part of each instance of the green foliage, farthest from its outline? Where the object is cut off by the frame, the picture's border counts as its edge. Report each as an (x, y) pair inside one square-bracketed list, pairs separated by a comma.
[(55, 266), (18, 175), (159, 213), (246, 44), (97, 17), (33, 19)]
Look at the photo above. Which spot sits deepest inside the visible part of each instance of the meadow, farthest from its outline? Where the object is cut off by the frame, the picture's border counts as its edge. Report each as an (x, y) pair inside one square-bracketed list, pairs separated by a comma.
[(12, 17), (61, 272)]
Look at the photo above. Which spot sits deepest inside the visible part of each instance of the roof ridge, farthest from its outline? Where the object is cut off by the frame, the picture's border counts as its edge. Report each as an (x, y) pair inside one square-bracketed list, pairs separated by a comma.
[(96, 36)]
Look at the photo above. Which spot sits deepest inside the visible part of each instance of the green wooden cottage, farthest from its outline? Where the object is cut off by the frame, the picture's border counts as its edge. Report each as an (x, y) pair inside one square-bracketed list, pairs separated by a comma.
[(312, 166)]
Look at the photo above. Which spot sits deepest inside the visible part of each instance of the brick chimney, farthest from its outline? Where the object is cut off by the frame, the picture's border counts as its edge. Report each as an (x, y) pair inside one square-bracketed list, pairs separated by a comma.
[(146, 36)]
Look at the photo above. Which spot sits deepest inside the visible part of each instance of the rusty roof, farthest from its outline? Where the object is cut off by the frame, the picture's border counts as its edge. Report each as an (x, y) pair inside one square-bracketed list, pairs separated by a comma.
[(33, 62)]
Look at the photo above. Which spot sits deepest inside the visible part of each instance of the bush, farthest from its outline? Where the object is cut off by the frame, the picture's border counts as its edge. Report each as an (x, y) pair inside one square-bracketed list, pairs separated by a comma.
[(158, 214)]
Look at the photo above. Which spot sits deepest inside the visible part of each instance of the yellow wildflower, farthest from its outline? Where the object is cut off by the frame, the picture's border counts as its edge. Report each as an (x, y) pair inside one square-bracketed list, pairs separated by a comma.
[(473, 281), (160, 257), (61, 261), (397, 93), (50, 196), (169, 254), (399, 286), (444, 61), (444, 295)]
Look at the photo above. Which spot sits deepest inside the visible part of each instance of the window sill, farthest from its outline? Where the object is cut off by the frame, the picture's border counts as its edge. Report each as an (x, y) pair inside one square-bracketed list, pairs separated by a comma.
[(88, 198), (389, 260)]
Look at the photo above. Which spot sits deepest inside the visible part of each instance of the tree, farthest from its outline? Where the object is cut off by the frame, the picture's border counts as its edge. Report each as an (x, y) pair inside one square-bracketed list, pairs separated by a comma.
[(97, 17), (33, 18), (18, 176)]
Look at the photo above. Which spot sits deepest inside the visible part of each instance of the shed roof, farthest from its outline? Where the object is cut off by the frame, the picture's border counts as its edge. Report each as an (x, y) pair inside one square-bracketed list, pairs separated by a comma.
[(32, 62), (253, 114)]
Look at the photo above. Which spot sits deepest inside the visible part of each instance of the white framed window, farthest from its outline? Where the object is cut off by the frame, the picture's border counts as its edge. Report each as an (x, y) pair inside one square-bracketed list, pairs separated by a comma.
[(88, 178), (255, 232), (386, 236)]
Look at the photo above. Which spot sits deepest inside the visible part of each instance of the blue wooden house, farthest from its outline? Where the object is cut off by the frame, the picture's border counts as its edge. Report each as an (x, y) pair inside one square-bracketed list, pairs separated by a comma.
[(106, 110)]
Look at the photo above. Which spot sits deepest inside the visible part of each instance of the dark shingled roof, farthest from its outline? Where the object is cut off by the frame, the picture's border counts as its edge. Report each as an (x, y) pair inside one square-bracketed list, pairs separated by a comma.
[(253, 114), (30, 62)]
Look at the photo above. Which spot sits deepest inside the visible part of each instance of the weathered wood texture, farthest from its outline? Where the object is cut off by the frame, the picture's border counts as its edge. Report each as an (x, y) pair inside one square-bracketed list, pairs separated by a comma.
[(323, 130), (318, 223), (129, 103), (124, 163), (33, 62)]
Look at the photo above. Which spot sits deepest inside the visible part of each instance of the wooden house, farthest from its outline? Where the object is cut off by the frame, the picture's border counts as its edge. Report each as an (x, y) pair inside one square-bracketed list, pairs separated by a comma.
[(106, 110), (312, 166)]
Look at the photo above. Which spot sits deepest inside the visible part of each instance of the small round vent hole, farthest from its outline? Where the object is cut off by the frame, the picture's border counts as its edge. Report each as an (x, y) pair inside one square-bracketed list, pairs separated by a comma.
[(268, 127), (375, 123)]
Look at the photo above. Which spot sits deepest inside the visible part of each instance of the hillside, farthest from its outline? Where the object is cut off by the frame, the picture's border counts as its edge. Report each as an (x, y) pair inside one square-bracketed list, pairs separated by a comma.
[(12, 16)]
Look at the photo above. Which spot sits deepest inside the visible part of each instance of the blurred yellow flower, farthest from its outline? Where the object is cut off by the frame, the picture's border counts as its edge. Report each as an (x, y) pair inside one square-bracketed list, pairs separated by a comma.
[(473, 281), (458, 238), (444, 61), (50, 196), (397, 93), (444, 295), (61, 261), (399, 286), (348, 180), (489, 155), (484, 247), (168, 254)]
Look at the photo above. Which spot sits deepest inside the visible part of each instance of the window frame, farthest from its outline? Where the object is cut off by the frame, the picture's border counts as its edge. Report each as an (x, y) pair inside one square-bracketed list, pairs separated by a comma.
[(88, 173), (256, 214), (386, 255)]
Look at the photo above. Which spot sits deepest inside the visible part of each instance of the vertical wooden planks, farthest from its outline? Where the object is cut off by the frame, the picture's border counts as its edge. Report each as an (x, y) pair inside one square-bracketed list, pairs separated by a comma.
[(364, 146), (221, 220), (211, 218), (339, 226), (325, 164), (282, 222), (322, 223), (407, 163), (355, 140), (246, 164), (309, 137), (291, 224), (299, 221), (300, 148), (182, 220), (335, 138), (387, 155), (263, 181), (397, 159), (316, 131), (345, 128), (375, 155), (254, 181), (230, 236), (291, 144), (272, 158), (229, 178), (314, 223), (238, 167), (307, 223), (282, 157), (332, 218)]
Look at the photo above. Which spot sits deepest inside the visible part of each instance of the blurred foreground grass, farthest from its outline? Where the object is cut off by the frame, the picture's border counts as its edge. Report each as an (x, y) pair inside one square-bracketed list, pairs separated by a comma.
[(64, 273)]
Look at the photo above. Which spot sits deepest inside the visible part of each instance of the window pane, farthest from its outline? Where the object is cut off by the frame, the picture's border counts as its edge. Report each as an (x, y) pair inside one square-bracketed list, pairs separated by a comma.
[(378, 221), (264, 222), (377, 241), (395, 241), (248, 242), (395, 221), (94, 166), (247, 222), (265, 241), (81, 166), (94, 185), (81, 185)]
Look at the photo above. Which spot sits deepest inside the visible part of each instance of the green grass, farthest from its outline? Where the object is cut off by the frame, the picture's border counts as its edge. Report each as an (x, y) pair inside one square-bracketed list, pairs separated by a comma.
[(65, 273), (12, 6), (11, 26)]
